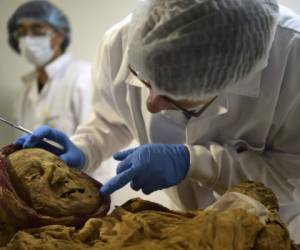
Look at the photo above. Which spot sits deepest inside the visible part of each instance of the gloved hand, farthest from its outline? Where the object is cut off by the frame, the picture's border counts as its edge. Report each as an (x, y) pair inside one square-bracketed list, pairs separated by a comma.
[(150, 167), (71, 155)]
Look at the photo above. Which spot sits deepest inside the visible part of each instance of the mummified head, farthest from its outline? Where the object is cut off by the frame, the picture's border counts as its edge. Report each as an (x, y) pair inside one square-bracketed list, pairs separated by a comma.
[(37, 188), (49, 186)]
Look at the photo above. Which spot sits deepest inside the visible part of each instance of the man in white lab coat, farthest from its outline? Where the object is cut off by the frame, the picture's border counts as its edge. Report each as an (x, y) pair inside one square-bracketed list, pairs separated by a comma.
[(58, 91), (211, 91)]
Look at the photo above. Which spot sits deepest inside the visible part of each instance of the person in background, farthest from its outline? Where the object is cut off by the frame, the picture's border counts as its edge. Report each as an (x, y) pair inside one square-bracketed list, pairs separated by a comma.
[(211, 91), (58, 91)]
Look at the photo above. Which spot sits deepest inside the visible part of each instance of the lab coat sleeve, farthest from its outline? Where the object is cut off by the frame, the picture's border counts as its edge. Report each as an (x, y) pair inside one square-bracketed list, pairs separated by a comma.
[(278, 166), (105, 132), (220, 166), (82, 93)]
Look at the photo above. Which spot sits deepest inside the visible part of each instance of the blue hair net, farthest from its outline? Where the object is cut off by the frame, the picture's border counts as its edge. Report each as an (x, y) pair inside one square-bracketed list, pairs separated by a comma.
[(39, 10)]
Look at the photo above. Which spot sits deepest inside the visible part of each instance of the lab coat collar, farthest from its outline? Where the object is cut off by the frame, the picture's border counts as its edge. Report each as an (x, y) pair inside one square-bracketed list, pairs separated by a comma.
[(250, 86), (58, 65), (51, 69), (29, 77)]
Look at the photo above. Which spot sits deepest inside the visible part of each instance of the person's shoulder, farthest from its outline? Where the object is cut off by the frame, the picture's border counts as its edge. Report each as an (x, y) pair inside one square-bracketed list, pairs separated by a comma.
[(120, 27), (289, 21), (118, 32), (287, 37), (112, 49)]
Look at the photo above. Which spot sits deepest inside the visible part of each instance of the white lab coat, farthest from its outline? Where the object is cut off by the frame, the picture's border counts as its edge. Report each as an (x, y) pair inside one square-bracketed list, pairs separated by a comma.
[(250, 132), (65, 100)]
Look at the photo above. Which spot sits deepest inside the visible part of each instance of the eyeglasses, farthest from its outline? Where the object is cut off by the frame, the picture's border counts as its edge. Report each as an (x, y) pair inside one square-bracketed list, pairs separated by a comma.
[(36, 29), (187, 113)]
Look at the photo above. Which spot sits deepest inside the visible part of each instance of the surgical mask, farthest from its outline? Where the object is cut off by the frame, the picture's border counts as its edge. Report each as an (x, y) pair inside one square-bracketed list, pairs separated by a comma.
[(37, 50), (197, 108), (202, 106)]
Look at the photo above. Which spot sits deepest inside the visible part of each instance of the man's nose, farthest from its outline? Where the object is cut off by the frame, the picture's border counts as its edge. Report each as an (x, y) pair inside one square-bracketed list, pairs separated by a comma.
[(157, 103)]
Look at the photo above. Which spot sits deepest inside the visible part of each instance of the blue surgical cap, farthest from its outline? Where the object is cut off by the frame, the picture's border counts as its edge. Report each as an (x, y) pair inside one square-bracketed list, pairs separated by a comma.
[(39, 10), (195, 49)]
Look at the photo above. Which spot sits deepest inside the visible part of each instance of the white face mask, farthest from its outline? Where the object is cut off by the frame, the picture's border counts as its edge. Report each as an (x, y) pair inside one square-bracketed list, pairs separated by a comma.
[(197, 108), (37, 50)]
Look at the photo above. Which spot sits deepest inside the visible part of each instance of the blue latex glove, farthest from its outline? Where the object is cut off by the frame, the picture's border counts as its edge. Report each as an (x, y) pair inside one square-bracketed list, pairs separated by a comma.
[(150, 167), (71, 155)]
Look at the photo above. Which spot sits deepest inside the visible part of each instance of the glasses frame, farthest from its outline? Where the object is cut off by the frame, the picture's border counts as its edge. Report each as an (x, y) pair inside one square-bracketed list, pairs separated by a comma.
[(35, 31), (187, 113)]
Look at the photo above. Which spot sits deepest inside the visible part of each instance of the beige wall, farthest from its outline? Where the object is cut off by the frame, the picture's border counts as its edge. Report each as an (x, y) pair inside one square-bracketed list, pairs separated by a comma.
[(89, 19), (293, 4)]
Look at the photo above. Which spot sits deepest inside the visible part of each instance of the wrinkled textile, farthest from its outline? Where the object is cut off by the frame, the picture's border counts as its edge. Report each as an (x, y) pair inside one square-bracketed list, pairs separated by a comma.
[(140, 224), (143, 225), (37, 189)]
